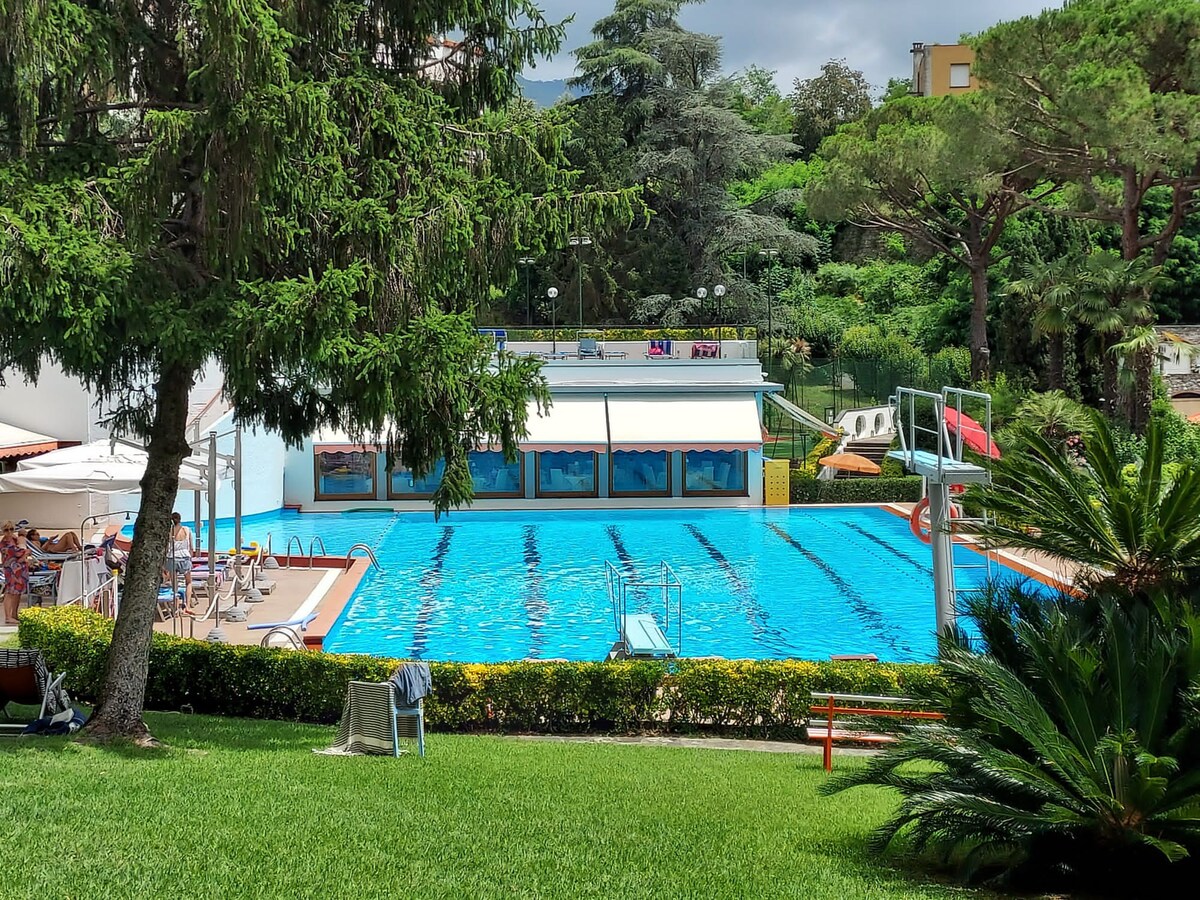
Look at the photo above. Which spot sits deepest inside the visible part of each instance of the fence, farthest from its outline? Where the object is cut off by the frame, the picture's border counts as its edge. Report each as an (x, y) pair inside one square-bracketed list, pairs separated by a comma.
[(829, 387)]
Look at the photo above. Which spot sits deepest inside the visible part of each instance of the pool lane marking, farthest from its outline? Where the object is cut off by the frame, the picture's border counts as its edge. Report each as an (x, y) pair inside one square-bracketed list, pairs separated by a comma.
[(536, 607), (431, 580), (755, 614), (627, 564), (870, 617), (916, 563)]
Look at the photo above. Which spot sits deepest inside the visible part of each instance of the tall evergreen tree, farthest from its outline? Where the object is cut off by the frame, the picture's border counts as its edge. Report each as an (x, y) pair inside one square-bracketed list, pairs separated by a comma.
[(280, 188)]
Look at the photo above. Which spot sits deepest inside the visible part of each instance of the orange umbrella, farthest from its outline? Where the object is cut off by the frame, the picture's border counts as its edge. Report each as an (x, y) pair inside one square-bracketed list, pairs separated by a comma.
[(851, 462)]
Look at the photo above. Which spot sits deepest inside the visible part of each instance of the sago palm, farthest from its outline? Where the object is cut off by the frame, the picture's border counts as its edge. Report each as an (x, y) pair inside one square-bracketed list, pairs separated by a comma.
[(1077, 761), (1138, 533)]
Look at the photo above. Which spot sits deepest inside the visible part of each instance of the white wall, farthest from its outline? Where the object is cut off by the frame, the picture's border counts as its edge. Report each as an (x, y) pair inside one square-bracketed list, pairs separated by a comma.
[(57, 406), (262, 476)]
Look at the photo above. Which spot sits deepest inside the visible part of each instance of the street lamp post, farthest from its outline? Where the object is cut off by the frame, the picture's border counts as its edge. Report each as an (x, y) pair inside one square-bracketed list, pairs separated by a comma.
[(772, 254), (578, 241), (552, 293), (719, 293), (527, 262)]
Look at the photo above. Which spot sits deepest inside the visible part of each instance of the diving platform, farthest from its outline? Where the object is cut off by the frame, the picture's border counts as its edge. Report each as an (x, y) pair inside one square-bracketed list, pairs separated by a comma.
[(640, 634), (940, 468), (643, 639)]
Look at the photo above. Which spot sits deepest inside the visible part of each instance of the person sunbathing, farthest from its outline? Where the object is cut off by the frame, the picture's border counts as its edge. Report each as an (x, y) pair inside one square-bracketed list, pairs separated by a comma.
[(67, 542)]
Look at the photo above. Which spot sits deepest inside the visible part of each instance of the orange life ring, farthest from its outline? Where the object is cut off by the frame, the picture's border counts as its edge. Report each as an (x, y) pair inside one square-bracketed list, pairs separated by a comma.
[(918, 521)]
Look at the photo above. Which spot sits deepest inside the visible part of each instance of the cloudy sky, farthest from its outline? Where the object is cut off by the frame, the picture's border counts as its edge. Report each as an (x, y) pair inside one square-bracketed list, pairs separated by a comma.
[(794, 37)]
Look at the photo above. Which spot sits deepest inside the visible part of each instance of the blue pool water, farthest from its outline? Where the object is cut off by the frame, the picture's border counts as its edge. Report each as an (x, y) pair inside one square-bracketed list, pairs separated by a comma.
[(757, 583)]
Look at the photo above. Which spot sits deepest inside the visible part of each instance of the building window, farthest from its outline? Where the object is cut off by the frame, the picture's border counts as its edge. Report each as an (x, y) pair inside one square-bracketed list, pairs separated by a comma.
[(404, 485), (636, 473), (563, 473), (345, 476), (494, 476), (960, 75), (714, 473)]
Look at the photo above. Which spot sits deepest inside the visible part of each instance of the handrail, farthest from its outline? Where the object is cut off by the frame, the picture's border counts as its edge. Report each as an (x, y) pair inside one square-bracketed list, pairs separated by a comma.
[(316, 539), (299, 548), (370, 555), (267, 551)]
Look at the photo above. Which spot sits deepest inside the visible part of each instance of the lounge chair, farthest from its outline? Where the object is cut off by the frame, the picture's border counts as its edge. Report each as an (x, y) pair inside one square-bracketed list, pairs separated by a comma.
[(292, 630), (589, 348), (661, 349), (25, 679)]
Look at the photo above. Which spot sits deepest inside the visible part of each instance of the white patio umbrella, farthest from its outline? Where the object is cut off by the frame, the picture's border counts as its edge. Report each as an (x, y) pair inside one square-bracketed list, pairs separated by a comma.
[(101, 453), (113, 477)]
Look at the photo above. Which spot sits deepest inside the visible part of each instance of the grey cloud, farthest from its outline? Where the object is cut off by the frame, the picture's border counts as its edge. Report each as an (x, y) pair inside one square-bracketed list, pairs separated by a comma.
[(794, 37)]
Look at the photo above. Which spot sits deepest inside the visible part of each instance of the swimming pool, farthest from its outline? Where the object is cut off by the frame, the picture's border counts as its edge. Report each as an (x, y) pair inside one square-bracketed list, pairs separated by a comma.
[(757, 583)]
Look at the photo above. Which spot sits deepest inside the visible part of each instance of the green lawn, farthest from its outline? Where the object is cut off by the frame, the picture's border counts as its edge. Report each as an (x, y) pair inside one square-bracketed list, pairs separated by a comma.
[(240, 808)]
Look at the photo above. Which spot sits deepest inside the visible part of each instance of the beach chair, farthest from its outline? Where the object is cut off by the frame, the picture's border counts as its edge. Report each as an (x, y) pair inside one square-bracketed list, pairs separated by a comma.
[(25, 679), (589, 345), (661, 349)]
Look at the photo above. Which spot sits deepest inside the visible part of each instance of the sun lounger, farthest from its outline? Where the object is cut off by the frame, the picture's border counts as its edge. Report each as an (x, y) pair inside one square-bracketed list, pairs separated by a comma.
[(25, 679)]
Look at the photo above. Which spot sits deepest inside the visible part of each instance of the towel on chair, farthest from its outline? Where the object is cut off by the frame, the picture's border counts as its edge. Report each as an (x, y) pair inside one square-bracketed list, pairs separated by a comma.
[(413, 683), (366, 725)]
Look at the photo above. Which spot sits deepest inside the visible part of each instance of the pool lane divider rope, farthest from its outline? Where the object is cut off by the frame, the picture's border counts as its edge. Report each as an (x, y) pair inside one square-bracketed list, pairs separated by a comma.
[(756, 616), (870, 617), (536, 607), (431, 580)]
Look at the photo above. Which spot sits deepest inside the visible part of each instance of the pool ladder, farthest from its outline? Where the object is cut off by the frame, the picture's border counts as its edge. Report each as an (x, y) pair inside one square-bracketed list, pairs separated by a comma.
[(368, 551), (316, 542)]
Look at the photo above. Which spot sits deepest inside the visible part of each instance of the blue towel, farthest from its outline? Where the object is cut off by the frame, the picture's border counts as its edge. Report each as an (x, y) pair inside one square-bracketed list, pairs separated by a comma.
[(411, 683)]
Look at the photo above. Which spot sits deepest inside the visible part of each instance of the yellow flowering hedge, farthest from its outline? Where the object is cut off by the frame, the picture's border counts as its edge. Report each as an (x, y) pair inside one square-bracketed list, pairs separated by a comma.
[(768, 698)]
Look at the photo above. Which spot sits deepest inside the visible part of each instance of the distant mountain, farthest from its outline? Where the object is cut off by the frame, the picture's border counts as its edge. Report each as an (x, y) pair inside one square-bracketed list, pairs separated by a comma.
[(544, 93)]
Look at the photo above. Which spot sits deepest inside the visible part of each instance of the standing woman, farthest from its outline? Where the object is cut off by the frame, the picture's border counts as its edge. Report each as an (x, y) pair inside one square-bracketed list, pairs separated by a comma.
[(14, 559), (179, 557)]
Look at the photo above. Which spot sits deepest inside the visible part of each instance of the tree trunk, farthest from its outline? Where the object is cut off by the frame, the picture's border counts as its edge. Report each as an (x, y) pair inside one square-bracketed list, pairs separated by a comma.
[(1143, 389), (1054, 376), (980, 353), (118, 714), (1111, 400)]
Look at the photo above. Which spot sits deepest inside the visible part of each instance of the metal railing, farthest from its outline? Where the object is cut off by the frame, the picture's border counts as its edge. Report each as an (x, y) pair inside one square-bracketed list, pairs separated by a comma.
[(299, 548), (365, 548), (316, 542), (619, 583)]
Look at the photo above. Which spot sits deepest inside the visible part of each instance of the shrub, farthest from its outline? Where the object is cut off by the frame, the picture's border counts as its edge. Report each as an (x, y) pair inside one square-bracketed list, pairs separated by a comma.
[(806, 489), (764, 698)]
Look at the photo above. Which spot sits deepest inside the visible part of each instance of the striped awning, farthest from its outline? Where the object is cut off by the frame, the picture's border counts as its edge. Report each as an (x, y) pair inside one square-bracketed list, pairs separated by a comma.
[(16, 441), (684, 422), (571, 423), (333, 441)]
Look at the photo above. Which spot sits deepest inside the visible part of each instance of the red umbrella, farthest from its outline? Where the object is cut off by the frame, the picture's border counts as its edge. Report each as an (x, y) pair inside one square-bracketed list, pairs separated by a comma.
[(972, 433)]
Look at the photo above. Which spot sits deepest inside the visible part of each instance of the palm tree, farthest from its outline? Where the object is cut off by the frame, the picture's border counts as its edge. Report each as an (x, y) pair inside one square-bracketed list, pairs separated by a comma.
[(1053, 290), (1136, 533), (1053, 415), (1114, 303)]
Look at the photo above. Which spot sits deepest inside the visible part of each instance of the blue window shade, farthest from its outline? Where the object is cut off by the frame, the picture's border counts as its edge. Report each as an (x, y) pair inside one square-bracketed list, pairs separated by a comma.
[(405, 484), (714, 472), (495, 476), (641, 473), (348, 475), (567, 473)]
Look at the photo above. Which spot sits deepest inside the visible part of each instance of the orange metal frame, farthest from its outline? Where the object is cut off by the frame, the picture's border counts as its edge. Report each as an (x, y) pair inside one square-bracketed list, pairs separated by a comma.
[(830, 709)]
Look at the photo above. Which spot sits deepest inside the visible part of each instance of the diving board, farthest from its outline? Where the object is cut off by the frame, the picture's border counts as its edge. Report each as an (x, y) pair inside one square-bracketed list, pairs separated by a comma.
[(942, 468), (643, 639), (794, 412)]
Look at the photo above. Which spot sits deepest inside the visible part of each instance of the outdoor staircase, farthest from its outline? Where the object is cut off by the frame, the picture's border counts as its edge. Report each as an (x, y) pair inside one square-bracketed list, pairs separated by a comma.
[(875, 449)]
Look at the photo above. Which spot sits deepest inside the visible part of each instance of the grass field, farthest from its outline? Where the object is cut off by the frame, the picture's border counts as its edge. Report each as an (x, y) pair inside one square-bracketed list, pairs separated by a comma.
[(245, 809)]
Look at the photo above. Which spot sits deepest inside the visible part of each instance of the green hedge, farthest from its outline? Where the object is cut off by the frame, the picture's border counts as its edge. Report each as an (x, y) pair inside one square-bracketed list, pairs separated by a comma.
[(806, 489), (762, 698), (697, 333)]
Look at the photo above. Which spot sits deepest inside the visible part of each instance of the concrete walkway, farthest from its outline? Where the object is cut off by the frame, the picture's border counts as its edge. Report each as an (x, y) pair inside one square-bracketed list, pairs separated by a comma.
[(693, 743)]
